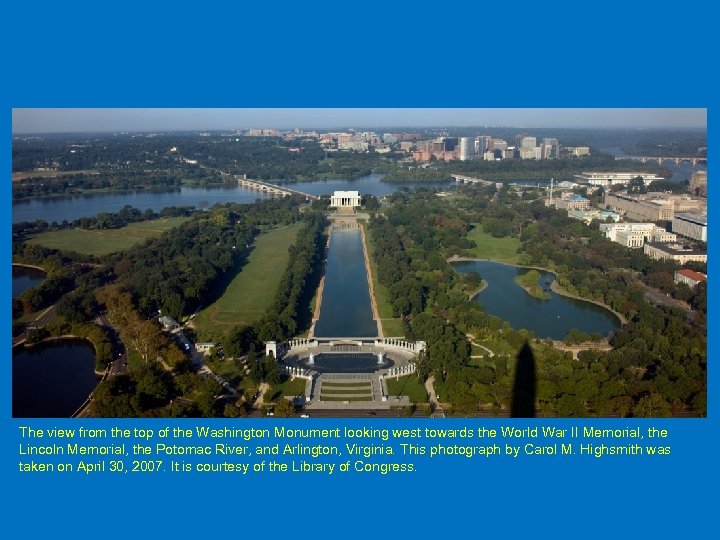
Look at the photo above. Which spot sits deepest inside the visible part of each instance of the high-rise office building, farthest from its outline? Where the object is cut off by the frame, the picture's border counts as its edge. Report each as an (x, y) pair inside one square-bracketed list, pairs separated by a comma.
[(467, 148), (482, 143), (550, 148), (525, 141)]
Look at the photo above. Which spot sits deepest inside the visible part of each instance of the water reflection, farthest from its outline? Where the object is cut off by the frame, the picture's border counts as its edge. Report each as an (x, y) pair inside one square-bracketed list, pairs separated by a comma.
[(24, 278), (53, 379)]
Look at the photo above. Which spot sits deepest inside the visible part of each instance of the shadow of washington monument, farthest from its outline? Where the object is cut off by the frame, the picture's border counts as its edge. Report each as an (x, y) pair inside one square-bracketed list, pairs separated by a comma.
[(523, 395)]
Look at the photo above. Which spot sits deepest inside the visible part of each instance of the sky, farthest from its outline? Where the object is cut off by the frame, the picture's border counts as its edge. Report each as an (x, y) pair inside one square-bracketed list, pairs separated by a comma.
[(112, 120)]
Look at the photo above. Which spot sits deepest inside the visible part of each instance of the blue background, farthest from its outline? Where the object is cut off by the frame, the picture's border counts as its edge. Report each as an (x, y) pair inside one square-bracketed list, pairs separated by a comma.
[(144, 54)]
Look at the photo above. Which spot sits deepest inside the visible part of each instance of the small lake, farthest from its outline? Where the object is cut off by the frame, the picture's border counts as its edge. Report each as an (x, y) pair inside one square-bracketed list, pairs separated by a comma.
[(545, 318), (345, 310), (24, 278), (53, 379), (73, 207)]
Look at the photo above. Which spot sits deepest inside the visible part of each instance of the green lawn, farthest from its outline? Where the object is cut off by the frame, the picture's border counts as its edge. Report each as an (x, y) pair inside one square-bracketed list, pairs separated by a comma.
[(104, 242), (252, 290), (323, 397), (481, 362), (346, 391), (393, 328), (407, 386), (288, 387), (496, 249), (328, 384), (228, 369), (440, 391)]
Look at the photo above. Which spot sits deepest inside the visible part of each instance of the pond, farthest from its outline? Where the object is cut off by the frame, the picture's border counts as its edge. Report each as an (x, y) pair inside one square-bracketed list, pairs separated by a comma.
[(52, 379), (552, 318), (24, 278)]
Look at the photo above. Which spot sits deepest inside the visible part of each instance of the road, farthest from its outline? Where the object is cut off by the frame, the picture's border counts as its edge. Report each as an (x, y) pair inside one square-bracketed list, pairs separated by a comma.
[(120, 360)]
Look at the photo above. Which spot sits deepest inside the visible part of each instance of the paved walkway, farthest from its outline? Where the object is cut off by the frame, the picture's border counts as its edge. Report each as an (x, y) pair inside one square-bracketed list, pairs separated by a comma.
[(264, 387), (575, 349), (438, 411), (473, 342)]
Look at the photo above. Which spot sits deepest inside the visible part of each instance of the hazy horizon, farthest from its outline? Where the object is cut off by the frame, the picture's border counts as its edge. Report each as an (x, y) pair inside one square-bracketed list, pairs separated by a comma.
[(71, 120)]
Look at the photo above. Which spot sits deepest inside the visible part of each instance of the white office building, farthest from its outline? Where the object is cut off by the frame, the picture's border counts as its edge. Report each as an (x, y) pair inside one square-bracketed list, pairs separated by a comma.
[(467, 148), (634, 235), (607, 179)]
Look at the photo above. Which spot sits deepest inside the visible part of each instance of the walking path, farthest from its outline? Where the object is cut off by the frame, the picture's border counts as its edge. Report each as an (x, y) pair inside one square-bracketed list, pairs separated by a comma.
[(438, 411), (575, 349), (483, 347), (264, 387)]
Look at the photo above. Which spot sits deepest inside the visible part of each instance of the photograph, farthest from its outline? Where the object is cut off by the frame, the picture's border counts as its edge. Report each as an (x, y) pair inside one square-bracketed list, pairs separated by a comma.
[(359, 262), (398, 270)]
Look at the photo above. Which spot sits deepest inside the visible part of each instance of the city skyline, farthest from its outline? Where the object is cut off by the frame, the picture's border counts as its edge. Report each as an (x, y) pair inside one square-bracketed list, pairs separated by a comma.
[(73, 120)]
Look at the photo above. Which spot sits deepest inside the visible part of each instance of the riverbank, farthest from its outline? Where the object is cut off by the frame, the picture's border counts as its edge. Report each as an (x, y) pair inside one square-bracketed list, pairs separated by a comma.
[(559, 290), (529, 283), (483, 286), (110, 191), (29, 266), (456, 258), (65, 337)]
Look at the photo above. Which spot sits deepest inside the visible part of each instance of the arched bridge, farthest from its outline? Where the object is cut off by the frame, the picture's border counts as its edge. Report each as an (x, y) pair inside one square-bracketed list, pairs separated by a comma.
[(266, 187), (660, 159)]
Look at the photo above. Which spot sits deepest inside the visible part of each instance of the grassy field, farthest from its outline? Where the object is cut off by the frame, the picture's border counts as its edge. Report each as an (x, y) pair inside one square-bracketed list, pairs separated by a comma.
[(330, 384), (288, 387), (253, 288), (392, 327), (323, 397), (489, 247), (407, 386), (228, 369), (345, 391), (104, 242), (50, 174)]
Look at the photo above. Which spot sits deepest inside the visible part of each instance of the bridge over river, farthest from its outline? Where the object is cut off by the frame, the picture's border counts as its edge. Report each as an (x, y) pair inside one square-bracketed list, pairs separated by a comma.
[(660, 159), (273, 189)]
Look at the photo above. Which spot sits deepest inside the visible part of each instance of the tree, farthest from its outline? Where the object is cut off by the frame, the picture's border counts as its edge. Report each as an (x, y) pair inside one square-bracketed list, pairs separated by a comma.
[(652, 406), (152, 390), (235, 410), (271, 370), (637, 185), (570, 405), (283, 408), (115, 398)]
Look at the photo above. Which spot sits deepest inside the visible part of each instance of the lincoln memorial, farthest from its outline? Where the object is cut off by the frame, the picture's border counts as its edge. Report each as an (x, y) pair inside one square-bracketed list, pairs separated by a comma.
[(345, 198)]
